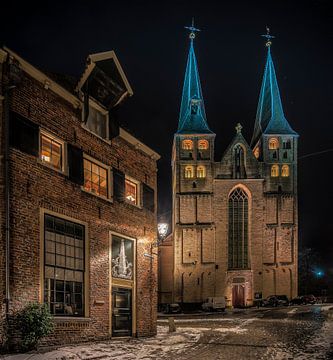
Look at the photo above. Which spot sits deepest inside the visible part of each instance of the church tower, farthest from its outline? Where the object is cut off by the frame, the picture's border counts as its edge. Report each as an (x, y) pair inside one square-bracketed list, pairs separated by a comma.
[(274, 145), (192, 174)]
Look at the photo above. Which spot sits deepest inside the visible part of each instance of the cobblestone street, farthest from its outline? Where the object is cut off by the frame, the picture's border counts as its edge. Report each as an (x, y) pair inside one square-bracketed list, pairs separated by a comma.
[(303, 332)]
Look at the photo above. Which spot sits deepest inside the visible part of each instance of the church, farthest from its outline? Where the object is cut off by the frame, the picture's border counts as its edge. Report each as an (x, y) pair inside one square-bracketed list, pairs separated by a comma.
[(234, 221)]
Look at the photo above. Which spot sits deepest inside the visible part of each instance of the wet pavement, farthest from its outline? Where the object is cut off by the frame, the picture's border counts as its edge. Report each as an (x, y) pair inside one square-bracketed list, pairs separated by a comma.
[(300, 332)]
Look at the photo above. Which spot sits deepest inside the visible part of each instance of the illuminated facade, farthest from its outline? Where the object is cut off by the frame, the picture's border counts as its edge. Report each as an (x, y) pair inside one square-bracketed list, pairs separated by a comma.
[(234, 221), (82, 203)]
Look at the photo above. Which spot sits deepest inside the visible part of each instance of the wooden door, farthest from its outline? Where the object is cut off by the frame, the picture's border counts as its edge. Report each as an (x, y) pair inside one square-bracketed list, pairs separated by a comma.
[(238, 296)]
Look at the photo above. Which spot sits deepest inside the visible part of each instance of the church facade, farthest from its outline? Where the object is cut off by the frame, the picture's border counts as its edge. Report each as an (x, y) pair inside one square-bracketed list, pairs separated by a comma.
[(235, 221)]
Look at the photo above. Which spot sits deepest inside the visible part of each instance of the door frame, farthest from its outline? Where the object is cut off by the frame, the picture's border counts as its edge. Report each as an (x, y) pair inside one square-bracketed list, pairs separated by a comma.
[(122, 283)]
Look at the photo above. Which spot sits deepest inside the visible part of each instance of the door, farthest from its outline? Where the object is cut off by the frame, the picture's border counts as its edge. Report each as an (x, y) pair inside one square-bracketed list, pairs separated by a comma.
[(238, 296), (121, 312)]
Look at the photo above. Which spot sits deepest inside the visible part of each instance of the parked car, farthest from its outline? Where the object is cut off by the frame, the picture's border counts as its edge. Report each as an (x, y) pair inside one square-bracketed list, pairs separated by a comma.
[(172, 309), (216, 303), (309, 299), (298, 300), (275, 300)]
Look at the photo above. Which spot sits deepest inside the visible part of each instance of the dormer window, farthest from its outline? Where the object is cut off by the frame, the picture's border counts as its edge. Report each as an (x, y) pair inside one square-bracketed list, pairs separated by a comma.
[(203, 145), (97, 121), (195, 103), (273, 144), (187, 144)]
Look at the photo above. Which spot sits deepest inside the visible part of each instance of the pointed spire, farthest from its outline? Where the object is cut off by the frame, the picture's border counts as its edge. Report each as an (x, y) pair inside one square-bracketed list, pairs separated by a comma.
[(192, 117), (270, 117)]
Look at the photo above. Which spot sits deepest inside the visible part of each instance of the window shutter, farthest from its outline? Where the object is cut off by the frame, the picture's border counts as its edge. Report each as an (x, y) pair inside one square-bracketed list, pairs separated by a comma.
[(24, 134), (113, 124), (75, 164), (118, 185), (148, 198)]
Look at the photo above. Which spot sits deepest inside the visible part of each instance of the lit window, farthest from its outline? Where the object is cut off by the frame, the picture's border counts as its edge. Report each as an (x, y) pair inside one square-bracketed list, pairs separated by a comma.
[(131, 191), (189, 173), (187, 144), (256, 152), (95, 178), (285, 171), (97, 122), (64, 266), (203, 144), (201, 171), (51, 151), (275, 171), (273, 144)]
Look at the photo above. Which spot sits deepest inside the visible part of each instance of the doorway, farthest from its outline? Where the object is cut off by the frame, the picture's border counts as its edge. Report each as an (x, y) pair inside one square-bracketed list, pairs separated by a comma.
[(238, 296), (121, 312)]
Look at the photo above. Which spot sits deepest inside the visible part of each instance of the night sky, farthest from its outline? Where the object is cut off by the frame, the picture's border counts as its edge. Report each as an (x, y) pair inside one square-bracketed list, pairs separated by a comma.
[(151, 44)]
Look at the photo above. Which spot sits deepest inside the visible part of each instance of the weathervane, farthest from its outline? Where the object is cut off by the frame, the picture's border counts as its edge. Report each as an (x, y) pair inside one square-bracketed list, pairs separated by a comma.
[(268, 37), (192, 30)]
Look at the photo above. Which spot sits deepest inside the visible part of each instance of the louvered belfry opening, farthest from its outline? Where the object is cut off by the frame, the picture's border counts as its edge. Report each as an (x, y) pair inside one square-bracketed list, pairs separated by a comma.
[(238, 230)]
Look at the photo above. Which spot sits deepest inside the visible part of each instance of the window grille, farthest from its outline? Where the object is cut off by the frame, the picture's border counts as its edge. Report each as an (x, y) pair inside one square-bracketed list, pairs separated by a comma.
[(95, 178), (51, 151), (131, 191), (238, 230)]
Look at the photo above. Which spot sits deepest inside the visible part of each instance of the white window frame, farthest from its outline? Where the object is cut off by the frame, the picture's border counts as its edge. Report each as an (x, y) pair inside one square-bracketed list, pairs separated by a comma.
[(109, 174), (104, 112), (138, 191), (63, 168)]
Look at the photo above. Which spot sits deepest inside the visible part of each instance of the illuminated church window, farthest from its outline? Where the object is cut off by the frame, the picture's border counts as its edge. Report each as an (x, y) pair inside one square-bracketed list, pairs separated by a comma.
[(189, 173), (273, 144), (238, 230), (274, 171), (187, 144), (51, 151), (285, 171), (256, 152), (203, 144), (131, 191), (201, 171)]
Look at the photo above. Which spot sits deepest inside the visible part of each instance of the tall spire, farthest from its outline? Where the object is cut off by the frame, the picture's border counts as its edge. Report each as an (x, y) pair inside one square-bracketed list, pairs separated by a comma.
[(192, 117), (270, 117)]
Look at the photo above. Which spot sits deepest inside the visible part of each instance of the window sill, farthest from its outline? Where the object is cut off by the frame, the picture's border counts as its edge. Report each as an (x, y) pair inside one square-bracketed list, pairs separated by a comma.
[(109, 200), (131, 204), (71, 319), (98, 136), (60, 171)]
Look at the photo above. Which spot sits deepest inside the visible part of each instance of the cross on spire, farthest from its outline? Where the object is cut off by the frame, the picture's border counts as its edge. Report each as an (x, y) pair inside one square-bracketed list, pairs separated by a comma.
[(192, 29), (268, 37)]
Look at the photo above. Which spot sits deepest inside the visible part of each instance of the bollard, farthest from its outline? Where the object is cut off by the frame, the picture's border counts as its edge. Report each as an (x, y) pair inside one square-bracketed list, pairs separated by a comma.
[(172, 326)]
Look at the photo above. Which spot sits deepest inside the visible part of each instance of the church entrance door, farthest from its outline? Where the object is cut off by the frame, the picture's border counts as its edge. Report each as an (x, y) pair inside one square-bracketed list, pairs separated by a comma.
[(238, 296)]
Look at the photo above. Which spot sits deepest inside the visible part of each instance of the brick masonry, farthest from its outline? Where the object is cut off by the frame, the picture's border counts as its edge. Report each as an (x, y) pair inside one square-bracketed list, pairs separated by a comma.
[(34, 186)]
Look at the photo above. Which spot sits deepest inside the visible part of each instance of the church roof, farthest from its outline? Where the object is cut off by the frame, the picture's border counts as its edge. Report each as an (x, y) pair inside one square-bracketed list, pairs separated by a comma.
[(192, 116), (270, 117)]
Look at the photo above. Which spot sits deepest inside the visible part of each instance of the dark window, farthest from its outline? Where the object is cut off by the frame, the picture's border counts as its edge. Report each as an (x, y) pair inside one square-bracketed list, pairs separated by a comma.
[(239, 162), (238, 230), (64, 266), (286, 144)]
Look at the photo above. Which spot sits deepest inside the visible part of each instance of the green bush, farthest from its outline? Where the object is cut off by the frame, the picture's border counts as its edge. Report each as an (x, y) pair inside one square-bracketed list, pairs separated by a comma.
[(35, 322)]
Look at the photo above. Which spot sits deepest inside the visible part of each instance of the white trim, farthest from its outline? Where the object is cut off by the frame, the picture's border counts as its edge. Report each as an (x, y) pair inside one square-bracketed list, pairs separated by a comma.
[(44, 79)]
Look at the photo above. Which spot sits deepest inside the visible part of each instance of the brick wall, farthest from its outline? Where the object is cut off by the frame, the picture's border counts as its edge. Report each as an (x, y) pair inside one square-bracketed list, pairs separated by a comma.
[(34, 186)]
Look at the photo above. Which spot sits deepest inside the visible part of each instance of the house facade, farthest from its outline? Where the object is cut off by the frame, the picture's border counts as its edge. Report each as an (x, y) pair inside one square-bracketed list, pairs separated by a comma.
[(78, 208), (235, 220)]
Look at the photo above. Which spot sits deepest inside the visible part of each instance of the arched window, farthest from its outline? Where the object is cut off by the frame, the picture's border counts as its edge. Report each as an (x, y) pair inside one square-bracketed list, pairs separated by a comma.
[(189, 173), (201, 171), (187, 144), (203, 144), (256, 152), (238, 230), (285, 171), (275, 171), (273, 144)]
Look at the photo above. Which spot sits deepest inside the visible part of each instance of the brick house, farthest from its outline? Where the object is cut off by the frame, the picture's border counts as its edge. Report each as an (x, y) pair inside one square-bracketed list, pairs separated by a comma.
[(235, 220), (81, 209)]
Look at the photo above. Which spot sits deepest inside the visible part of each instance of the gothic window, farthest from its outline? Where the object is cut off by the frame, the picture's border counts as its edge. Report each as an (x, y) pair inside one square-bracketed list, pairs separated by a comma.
[(187, 144), (286, 144), (239, 165), (274, 171), (64, 266), (195, 105), (285, 171), (189, 172), (201, 171), (203, 144), (238, 230), (273, 144), (256, 152)]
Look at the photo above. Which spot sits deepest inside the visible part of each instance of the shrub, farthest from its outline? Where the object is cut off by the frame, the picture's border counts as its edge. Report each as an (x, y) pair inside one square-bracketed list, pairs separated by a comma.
[(35, 322)]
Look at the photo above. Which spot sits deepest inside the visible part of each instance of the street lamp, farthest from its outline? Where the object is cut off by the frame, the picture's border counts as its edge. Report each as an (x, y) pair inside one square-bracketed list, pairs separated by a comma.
[(162, 229)]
